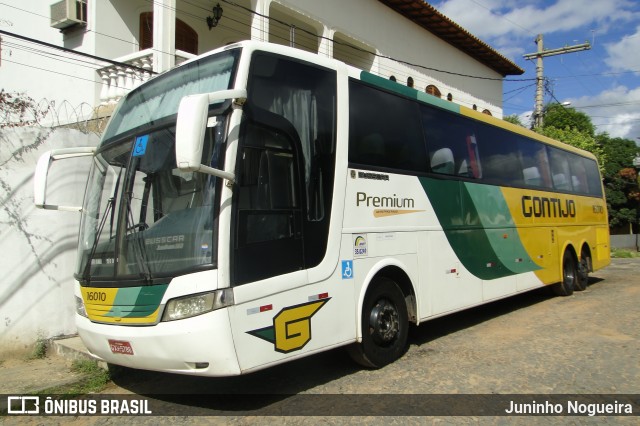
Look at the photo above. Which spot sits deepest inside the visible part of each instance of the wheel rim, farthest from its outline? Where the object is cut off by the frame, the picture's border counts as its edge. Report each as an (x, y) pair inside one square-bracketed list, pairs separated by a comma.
[(569, 273), (384, 323)]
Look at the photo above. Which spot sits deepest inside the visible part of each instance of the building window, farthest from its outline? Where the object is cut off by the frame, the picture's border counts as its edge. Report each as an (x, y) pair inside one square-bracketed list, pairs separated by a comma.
[(186, 37), (433, 90), (392, 78), (475, 107), (486, 111), (449, 97), (410, 82)]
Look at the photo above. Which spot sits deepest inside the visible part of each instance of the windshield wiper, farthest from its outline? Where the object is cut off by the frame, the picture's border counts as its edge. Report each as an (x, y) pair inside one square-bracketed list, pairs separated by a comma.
[(108, 211), (110, 202), (140, 251)]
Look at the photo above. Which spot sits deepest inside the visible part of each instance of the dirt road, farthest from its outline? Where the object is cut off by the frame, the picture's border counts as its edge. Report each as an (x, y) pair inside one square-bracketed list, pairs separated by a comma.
[(535, 343)]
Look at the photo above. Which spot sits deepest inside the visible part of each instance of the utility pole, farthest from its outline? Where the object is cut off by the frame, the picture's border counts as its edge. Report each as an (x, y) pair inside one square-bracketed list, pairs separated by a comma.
[(541, 53)]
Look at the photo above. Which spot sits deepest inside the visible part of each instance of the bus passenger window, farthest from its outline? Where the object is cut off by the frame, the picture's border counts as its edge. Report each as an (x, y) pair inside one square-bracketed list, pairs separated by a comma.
[(560, 173), (532, 176), (384, 130), (535, 165), (442, 161), (451, 143), (594, 181)]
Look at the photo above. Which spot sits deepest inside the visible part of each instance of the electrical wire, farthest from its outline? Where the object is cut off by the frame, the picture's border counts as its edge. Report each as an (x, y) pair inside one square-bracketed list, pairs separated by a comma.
[(306, 37), (75, 52)]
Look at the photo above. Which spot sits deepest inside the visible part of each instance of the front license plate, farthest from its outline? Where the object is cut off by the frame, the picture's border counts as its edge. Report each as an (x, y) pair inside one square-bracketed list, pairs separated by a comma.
[(120, 347)]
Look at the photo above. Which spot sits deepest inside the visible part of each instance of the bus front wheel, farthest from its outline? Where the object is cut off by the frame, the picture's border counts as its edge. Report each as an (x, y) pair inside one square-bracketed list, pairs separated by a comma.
[(569, 275), (385, 324)]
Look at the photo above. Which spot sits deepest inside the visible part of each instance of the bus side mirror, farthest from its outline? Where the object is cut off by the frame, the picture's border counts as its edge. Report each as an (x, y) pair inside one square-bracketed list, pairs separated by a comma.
[(42, 172), (191, 126)]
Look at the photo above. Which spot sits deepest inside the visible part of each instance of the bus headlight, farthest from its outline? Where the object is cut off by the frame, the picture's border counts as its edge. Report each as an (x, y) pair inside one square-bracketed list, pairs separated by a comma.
[(197, 304), (80, 310)]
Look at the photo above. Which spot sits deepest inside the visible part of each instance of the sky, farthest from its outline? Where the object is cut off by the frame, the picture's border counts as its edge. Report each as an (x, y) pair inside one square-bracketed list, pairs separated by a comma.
[(603, 82)]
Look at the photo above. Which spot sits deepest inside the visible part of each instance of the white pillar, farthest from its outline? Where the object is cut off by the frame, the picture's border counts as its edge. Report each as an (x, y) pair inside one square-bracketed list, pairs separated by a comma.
[(260, 25), (121, 91), (113, 85), (164, 35), (326, 42), (104, 90)]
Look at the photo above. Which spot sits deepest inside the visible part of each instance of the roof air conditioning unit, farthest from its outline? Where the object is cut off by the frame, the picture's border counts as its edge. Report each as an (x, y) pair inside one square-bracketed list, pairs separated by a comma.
[(68, 13)]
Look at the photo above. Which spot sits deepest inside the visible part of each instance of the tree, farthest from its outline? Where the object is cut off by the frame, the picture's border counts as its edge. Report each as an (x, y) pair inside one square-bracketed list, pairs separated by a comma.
[(574, 137), (619, 152), (615, 156), (562, 117), (513, 119), (620, 180)]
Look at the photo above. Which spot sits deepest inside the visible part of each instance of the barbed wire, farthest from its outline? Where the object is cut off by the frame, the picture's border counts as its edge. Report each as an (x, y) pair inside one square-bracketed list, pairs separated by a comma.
[(19, 110)]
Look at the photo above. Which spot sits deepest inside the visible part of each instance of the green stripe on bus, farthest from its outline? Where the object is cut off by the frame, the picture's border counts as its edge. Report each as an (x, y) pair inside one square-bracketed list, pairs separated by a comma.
[(475, 220), (495, 216), (409, 92), (137, 302)]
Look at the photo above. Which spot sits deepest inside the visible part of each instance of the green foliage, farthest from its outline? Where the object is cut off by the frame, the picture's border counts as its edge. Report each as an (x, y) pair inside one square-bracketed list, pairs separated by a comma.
[(513, 119), (620, 153), (615, 156), (624, 253), (94, 380), (574, 137), (562, 117), (39, 349), (620, 180)]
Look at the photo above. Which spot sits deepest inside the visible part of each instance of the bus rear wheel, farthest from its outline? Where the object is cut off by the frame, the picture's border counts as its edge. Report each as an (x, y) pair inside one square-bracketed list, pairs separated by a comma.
[(569, 275), (582, 279), (384, 324)]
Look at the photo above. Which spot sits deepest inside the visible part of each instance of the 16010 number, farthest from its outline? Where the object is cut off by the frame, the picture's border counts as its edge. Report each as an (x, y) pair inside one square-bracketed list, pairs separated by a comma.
[(96, 296)]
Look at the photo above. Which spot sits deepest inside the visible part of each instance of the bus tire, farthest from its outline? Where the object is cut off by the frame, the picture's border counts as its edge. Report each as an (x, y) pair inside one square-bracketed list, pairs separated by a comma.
[(385, 325), (569, 275), (582, 278)]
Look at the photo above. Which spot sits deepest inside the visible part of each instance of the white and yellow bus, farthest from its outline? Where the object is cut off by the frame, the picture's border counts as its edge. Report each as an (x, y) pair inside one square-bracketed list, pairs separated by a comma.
[(259, 204)]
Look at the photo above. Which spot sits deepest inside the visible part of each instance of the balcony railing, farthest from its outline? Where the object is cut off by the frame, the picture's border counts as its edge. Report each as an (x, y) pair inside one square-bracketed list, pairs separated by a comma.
[(117, 80)]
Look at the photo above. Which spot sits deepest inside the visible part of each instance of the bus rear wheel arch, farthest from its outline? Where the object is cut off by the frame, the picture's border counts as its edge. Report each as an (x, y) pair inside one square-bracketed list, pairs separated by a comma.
[(569, 274), (385, 325)]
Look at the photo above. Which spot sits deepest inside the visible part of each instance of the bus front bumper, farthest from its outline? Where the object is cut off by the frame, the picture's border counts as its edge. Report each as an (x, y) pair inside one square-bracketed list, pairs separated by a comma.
[(202, 345)]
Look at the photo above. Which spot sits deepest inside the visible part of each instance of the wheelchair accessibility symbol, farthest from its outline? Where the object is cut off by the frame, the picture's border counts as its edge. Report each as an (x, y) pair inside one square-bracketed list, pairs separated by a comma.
[(347, 269), (140, 146)]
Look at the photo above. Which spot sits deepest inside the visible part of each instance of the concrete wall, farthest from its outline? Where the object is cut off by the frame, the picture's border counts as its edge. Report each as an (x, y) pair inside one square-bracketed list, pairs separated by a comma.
[(43, 73), (624, 241), (37, 247)]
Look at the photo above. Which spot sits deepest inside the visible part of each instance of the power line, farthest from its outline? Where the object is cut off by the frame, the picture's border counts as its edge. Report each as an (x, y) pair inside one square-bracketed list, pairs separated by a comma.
[(75, 52), (377, 54), (306, 36), (503, 17), (542, 53), (53, 72)]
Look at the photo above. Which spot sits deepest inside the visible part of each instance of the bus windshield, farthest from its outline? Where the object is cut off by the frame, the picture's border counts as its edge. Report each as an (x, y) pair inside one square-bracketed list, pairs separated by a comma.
[(158, 100), (144, 219)]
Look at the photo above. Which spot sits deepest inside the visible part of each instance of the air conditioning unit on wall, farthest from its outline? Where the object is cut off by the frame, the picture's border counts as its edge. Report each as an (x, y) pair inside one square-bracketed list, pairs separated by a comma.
[(68, 13)]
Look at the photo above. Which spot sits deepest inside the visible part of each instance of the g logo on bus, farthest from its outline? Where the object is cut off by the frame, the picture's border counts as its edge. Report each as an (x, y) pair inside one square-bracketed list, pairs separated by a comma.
[(291, 329)]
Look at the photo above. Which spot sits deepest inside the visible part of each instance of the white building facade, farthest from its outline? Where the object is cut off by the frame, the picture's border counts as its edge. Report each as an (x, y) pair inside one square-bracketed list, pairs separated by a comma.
[(110, 46), (408, 40)]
